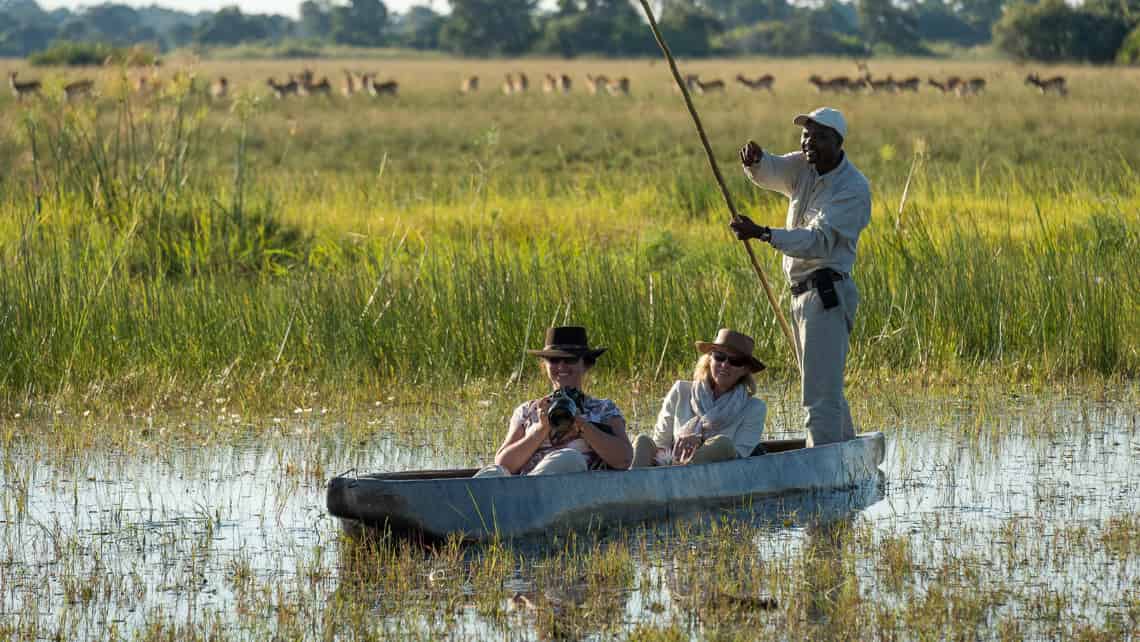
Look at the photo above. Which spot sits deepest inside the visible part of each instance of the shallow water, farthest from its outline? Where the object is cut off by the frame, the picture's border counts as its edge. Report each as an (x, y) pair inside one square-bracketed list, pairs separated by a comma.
[(233, 538)]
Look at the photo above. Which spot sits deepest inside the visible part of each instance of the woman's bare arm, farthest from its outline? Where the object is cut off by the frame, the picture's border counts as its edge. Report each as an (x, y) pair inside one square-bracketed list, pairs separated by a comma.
[(521, 443), (614, 449)]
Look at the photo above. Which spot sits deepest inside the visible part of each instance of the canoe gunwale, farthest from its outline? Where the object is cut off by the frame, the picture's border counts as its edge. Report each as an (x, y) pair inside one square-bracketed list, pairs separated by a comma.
[(440, 503)]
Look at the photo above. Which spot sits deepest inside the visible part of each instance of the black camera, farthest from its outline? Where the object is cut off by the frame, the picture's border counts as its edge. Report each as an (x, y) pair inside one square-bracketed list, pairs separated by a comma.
[(565, 404)]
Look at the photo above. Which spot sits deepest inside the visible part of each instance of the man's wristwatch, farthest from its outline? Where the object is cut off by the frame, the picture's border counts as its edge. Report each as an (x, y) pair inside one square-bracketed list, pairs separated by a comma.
[(765, 234)]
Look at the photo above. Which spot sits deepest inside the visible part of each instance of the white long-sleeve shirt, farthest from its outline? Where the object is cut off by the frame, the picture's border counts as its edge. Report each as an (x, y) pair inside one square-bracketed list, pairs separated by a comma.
[(745, 431), (825, 214)]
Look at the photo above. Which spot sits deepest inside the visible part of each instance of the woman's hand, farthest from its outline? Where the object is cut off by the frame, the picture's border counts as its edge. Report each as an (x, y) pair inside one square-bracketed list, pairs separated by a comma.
[(685, 447), (572, 432), (543, 425)]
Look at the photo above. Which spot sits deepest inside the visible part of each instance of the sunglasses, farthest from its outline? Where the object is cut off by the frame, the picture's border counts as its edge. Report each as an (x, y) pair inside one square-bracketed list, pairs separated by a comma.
[(557, 360), (732, 361)]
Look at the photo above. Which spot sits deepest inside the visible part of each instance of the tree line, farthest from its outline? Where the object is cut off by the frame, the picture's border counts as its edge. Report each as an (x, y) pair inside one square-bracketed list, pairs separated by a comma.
[(1044, 30)]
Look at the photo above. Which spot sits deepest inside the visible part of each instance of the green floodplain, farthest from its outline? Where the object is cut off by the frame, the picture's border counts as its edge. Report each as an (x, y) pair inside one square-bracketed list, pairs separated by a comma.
[(262, 293)]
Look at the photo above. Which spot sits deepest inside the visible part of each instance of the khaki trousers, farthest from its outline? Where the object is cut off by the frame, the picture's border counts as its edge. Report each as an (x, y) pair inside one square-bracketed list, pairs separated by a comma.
[(822, 338), (563, 460), (719, 448)]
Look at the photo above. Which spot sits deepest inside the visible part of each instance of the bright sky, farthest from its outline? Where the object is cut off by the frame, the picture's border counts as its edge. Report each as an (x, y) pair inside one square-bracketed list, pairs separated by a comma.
[(286, 7)]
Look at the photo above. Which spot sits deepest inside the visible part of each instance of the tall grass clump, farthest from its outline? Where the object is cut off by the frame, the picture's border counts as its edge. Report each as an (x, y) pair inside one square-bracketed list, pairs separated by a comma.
[(170, 239)]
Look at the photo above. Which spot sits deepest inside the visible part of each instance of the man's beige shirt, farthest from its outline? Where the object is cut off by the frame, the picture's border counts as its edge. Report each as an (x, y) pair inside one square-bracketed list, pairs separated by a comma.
[(825, 215)]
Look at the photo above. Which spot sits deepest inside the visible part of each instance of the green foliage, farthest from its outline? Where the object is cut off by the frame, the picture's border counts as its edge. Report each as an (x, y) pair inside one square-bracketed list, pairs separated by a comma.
[(888, 28), (146, 237), (796, 37), (689, 29), (229, 26), (489, 27), (359, 23), (610, 28), (418, 28), (1129, 53), (92, 53), (1053, 31)]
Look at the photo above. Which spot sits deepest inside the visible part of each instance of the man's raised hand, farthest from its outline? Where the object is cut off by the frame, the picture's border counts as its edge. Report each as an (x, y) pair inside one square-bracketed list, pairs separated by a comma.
[(750, 153)]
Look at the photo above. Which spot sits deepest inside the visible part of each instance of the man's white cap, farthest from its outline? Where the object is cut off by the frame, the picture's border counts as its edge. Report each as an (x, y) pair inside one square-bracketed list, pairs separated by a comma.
[(827, 117)]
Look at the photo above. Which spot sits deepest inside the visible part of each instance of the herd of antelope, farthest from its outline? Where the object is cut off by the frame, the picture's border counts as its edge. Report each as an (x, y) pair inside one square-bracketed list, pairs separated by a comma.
[(305, 83), (518, 83), (866, 83)]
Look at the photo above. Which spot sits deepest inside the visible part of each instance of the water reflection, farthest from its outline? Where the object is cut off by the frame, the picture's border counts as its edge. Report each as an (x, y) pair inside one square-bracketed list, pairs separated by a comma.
[(234, 539)]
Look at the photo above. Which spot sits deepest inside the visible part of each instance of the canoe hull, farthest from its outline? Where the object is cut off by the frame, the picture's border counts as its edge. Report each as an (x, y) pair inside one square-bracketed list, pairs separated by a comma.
[(511, 507)]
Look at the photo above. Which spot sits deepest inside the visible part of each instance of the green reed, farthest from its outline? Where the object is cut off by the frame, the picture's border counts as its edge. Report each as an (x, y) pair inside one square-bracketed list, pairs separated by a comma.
[(170, 241)]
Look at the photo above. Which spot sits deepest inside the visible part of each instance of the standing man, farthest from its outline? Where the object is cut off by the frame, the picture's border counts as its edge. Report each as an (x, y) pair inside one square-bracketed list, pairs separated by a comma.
[(830, 205)]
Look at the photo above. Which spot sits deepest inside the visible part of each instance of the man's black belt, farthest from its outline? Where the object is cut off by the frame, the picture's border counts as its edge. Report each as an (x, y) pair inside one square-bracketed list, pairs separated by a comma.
[(817, 280)]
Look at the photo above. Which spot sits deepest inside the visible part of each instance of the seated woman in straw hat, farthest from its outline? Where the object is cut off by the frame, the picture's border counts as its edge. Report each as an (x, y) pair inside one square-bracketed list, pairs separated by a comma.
[(543, 440), (714, 417)]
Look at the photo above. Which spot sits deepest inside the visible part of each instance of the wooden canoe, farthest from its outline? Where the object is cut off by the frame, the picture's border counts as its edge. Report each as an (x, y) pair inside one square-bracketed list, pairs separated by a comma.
[(436, 504)]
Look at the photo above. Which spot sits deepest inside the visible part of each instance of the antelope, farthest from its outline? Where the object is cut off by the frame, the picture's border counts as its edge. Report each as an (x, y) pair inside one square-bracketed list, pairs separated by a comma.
[(78, 89), (515, 83), (281, 90), (549, 84), (564, 83), (952, 83), (709, 86), (971, 87), (618, 86), (763, 82), (938, 85), (1055, 84), (386, 88), (304, 80), (323, 88), (351, 85), (908, 84), (837, 84), (22, 89), (887, 85), (862, 68), (470, 85), (220, 88), (596, 84)]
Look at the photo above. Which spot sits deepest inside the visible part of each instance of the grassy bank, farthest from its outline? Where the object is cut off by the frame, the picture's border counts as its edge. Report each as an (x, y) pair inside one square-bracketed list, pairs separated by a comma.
[(431, 238)]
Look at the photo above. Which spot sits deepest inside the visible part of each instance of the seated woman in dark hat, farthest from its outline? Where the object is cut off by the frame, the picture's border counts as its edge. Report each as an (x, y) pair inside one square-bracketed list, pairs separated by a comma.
[(714, 417), (542, 440)]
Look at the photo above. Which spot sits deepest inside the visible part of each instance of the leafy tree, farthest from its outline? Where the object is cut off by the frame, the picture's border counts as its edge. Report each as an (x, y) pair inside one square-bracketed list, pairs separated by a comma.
[(737, 12), (938, 21), (1127, 11), (418, 28), (360, 23), (1129, 53), (826, 30), (885, 25), (489, 27), (609, 27), (229, 26), (1054, 31), (315, 21), (689, 29)]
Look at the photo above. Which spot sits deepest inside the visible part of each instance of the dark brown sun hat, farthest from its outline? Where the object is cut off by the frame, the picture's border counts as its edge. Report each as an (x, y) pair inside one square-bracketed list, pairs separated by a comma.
[(568, 341), (733, 342)]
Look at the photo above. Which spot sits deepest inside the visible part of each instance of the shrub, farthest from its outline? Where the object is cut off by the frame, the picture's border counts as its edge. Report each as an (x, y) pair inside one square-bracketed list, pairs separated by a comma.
[(78, 54), (1129, 53), (1053, 31)]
